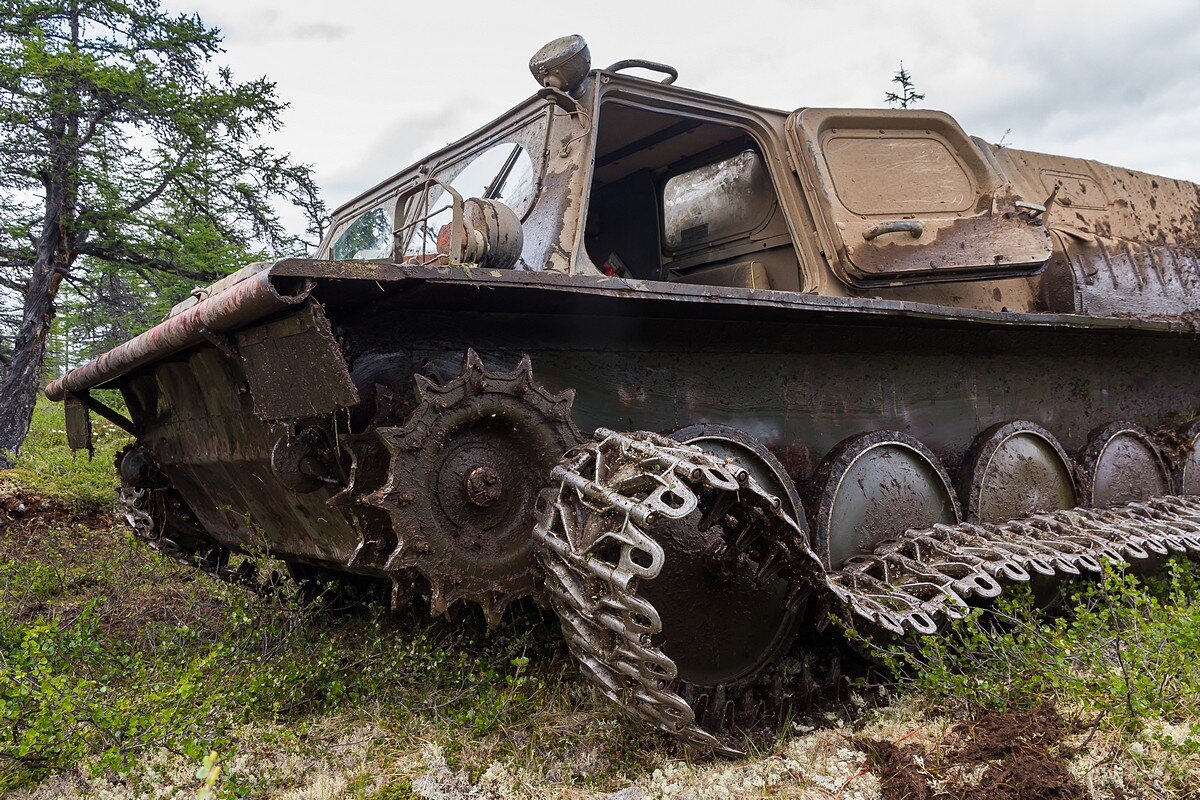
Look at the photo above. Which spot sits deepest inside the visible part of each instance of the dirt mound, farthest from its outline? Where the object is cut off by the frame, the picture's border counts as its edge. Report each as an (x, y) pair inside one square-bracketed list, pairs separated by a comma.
[(1013, 755), (21, 508)]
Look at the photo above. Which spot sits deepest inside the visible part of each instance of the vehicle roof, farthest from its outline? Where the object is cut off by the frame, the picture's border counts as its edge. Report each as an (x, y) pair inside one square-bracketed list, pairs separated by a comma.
[(621, 80)]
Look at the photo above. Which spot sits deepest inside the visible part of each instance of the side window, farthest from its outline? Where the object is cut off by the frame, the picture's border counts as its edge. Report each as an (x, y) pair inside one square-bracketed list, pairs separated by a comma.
[(502, 172), (727, 199), (368, 236)]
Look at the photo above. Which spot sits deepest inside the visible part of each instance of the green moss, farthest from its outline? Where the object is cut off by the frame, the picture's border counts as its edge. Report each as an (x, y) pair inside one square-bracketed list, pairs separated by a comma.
[(397, 790)]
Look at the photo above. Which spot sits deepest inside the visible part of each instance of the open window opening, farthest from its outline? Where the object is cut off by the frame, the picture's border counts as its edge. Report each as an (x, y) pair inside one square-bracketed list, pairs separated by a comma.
[(675, 198)]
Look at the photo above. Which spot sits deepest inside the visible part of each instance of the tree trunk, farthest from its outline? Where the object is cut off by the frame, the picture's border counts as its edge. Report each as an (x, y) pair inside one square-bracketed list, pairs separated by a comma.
[(21, 381)]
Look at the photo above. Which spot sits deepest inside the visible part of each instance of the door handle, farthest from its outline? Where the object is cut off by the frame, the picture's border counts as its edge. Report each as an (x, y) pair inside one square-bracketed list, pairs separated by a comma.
[(913, 226)]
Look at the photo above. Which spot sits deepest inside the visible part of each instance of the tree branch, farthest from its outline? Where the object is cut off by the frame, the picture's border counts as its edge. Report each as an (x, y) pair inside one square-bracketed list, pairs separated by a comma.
[(119, 254), (153, 194), (18, 287)]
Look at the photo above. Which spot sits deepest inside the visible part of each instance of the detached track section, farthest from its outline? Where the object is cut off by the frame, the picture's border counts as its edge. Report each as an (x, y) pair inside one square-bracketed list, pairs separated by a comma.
[(597, 541)]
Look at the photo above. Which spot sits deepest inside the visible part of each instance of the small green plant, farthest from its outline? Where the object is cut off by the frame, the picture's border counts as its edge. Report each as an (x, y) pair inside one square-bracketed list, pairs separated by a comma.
[(209, 775), (908, 94), (396, 790)]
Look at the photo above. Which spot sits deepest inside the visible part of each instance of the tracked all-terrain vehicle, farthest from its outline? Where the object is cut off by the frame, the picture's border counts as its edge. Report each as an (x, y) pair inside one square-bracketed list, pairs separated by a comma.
[(694, 374)]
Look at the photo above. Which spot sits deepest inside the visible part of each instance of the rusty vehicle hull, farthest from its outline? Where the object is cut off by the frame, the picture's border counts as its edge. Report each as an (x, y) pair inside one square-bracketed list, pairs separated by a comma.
[(799, 373), (695, 375)]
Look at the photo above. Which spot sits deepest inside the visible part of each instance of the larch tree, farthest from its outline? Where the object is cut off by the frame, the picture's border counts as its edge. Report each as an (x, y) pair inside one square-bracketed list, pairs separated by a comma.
[(122, 146), (908, 94)]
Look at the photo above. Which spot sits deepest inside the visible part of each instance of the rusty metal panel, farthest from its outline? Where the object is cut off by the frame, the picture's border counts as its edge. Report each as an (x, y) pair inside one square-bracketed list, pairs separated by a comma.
[(1097, 199), (1115, 277), (907, 197), (79, 424), (240, 305), (217, 453), (295, 367)]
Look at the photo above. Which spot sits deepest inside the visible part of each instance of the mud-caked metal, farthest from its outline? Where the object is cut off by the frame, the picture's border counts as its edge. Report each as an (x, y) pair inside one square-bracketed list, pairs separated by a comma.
[(695, 374)]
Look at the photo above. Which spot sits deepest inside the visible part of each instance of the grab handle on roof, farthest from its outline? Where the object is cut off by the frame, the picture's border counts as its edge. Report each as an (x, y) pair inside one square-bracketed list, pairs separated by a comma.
[(638, 63)]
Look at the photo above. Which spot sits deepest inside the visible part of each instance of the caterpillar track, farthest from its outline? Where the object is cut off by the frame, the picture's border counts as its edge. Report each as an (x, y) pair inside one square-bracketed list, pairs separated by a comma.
[(600, 543), (160, 518)]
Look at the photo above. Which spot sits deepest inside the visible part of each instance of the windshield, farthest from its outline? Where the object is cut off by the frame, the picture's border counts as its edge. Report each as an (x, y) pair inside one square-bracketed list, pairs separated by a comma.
[(368, 236), (502, 172)]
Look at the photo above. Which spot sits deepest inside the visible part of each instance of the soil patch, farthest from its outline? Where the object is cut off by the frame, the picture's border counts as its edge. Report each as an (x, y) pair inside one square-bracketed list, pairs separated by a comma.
[(22, 510), (1012, 755)]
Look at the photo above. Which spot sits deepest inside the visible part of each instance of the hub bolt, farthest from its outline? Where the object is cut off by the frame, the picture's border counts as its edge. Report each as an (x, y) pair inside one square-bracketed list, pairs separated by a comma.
[(484, 486)]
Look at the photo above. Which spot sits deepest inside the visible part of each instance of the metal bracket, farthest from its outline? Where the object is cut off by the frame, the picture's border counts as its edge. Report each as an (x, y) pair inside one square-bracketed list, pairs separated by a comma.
[(112, 416), (79, 422)]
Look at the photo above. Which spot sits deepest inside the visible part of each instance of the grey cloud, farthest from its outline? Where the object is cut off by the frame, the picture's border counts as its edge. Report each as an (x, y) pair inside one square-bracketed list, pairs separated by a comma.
[(324, 31), (394, 148), (1101, 79)]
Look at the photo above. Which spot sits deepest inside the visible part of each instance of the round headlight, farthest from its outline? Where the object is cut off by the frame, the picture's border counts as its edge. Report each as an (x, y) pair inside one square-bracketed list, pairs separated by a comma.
[(562, 64)]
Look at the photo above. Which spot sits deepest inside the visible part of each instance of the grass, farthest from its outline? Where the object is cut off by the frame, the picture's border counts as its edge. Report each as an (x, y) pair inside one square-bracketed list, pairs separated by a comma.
[(112, 656), (123, 674), (47, 467)]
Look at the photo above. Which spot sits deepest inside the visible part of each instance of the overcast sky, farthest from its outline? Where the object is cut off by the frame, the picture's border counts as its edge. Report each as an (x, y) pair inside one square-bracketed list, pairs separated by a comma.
[(375, 85)]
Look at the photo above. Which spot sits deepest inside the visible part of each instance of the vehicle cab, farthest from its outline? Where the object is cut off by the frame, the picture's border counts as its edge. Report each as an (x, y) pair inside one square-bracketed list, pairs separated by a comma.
[(607, 174)]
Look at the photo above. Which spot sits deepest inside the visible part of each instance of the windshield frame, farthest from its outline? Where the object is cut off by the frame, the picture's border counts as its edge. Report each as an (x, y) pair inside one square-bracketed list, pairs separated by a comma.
[(447, 162)]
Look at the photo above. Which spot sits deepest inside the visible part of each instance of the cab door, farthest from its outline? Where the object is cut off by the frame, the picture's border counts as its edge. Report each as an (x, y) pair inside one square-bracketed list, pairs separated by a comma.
[(906, 197)]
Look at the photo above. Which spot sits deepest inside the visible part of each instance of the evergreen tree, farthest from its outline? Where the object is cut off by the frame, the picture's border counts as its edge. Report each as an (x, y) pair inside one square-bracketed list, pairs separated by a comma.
[(908, 90), (122, 149)]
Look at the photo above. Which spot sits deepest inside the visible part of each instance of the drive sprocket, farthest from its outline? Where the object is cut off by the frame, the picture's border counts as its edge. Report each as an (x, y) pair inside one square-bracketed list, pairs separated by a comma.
[(465, 469)]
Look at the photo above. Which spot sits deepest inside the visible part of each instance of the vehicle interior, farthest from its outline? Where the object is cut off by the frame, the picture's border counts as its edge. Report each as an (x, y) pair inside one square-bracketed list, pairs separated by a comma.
[(674, 198)]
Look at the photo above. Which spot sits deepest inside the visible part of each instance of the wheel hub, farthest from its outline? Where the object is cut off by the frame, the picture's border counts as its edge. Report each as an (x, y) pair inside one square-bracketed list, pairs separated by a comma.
[(720, 623), (484, 486), (470, 484)]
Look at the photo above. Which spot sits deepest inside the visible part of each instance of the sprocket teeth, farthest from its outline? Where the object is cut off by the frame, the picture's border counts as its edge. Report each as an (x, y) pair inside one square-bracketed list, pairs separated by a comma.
[(438, 535), (385, 402), (403, 590), (491, 612), (424, 387), (350, 493), (524, 373), (442, 596), (403, 556), (393, 560), (565, 397), (474, 374)]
